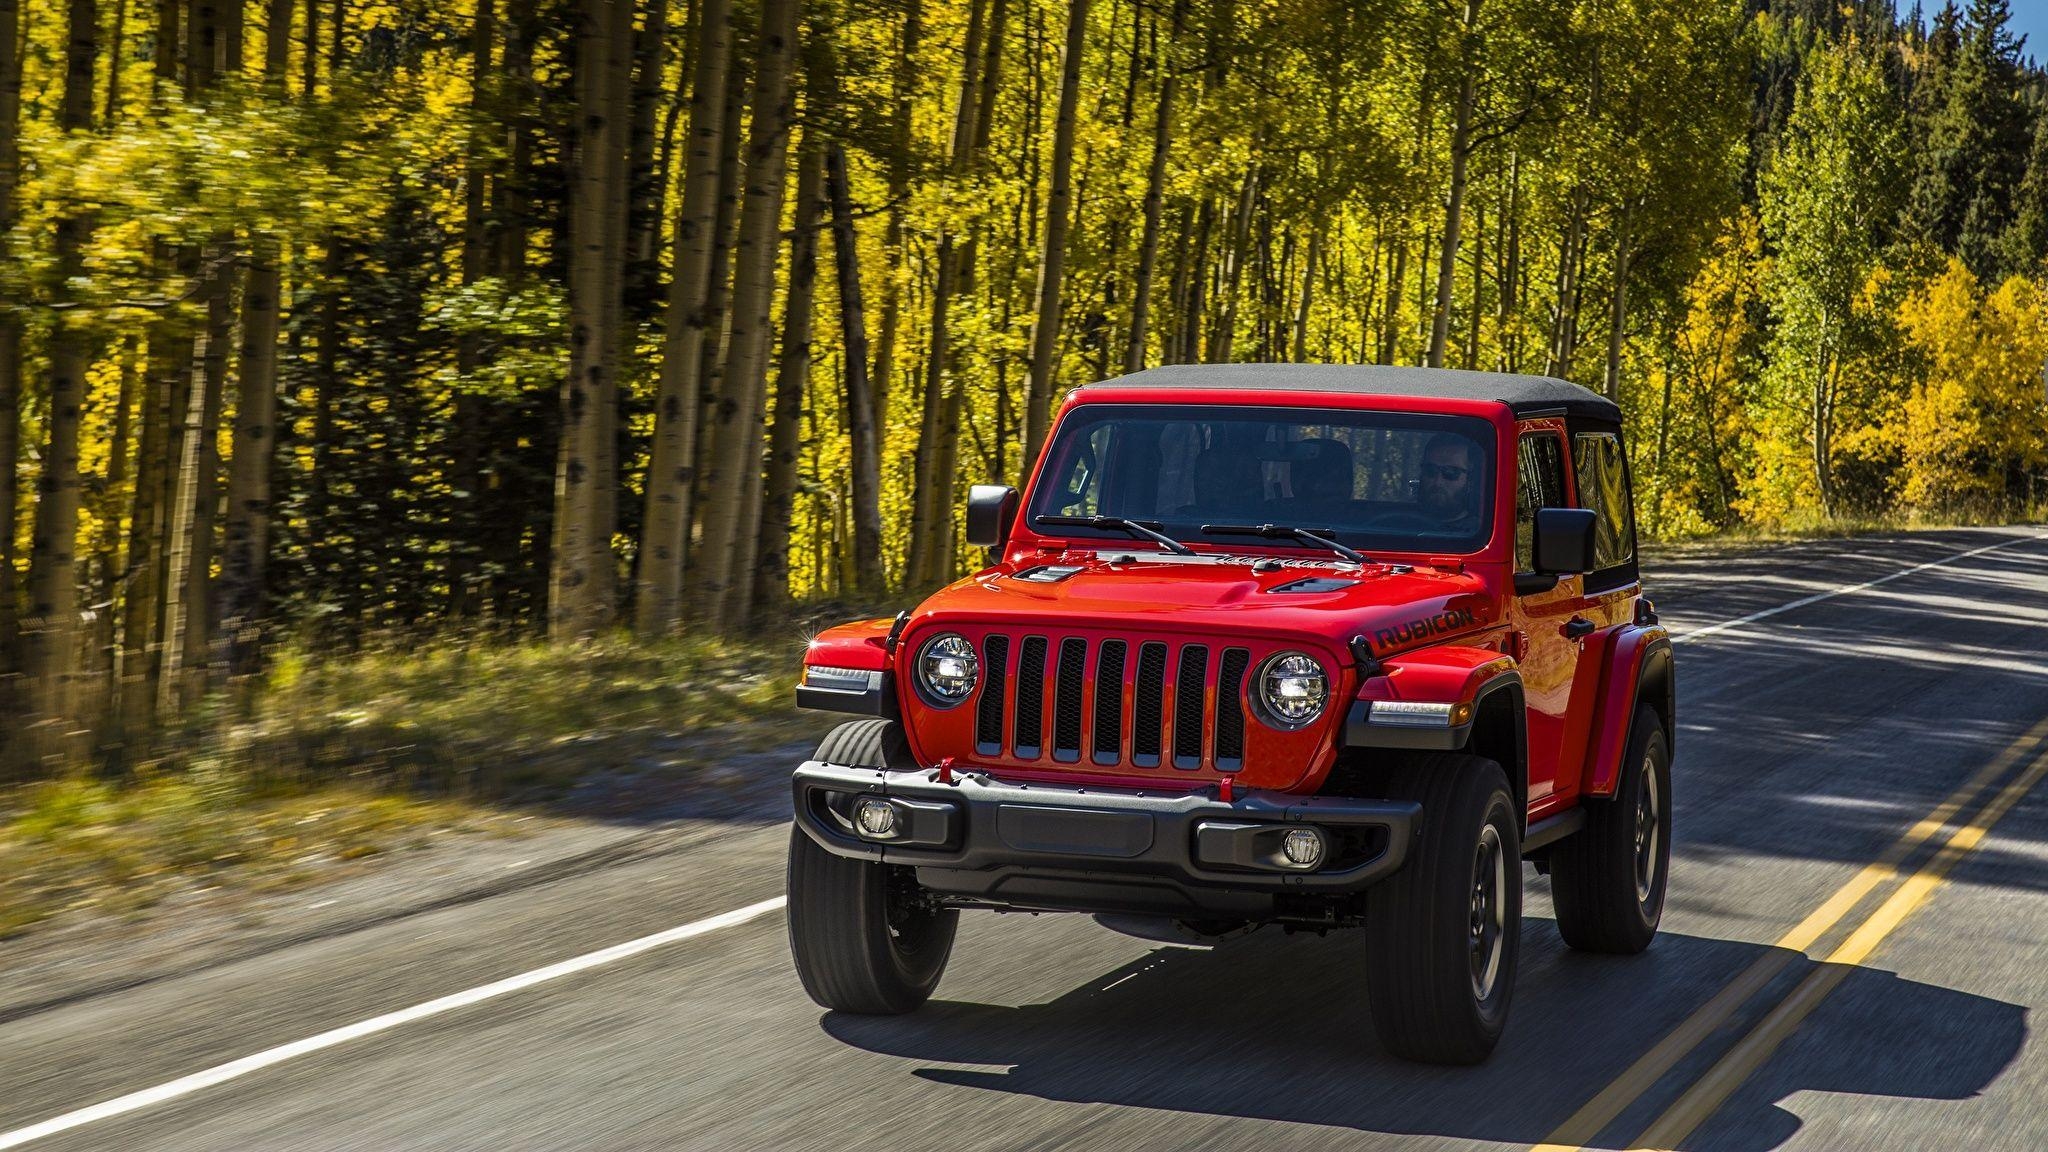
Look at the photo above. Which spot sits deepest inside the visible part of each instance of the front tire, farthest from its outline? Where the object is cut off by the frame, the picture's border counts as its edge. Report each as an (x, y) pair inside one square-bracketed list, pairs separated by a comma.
[(1608, 879), (1444, 932), (863, 936)]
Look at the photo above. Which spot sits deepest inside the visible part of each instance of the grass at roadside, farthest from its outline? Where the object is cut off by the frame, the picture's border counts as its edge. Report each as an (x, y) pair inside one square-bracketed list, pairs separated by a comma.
[(519, 722), (335, 758), (1815, 527), (81, 846)]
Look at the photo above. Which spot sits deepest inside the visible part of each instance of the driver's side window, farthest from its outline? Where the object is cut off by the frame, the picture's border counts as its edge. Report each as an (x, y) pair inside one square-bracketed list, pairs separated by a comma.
[(1540, 462)]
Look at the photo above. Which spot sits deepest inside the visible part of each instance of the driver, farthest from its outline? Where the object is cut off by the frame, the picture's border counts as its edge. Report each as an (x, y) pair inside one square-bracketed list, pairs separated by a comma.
[(1450, 482)]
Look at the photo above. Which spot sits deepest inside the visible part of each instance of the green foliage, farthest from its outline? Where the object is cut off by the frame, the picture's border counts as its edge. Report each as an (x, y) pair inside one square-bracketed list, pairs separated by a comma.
[(1825, 196)]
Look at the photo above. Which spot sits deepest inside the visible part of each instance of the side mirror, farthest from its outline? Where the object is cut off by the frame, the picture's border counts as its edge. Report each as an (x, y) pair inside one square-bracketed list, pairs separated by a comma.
[(1564, 540), (991, 509)]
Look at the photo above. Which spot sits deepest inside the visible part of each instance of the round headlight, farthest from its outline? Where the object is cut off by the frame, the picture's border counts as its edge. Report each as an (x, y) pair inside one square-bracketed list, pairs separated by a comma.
[(1292, 689), (948, 669)]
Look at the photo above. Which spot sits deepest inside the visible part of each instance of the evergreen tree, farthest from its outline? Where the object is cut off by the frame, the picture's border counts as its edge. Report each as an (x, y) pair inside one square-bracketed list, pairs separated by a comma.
[(1977, 137)]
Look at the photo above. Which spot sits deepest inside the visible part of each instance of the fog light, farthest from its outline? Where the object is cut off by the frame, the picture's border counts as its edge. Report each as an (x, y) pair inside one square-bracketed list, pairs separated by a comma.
[(876, 819), (1303, 847)]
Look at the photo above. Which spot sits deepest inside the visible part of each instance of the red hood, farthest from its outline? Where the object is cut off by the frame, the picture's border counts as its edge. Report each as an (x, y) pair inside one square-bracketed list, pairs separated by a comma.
[(1393, 606), (1045, 624)]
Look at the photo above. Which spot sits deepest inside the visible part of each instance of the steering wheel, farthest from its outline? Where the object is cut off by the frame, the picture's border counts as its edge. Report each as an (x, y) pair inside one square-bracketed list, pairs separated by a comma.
[(1405, 521)]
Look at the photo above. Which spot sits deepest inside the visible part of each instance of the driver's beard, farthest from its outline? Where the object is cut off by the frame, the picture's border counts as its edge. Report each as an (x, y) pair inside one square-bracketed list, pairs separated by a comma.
[(1441, 503)]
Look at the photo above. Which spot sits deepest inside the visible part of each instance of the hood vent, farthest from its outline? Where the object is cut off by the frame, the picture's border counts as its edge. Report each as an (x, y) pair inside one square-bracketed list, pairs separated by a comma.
[(1314, 584), (1047, 573)]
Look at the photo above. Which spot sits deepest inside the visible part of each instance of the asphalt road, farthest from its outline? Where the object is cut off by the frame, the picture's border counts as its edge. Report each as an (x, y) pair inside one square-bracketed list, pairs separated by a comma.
[(1811, 740)]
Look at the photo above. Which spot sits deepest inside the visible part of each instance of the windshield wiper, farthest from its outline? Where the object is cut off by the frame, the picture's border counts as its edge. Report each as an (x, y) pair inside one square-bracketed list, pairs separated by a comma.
[(1148, 530), (1286, 532)]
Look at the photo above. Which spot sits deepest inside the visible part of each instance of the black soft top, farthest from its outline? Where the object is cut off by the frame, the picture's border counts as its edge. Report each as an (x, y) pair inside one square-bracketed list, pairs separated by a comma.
[(1526, 395)]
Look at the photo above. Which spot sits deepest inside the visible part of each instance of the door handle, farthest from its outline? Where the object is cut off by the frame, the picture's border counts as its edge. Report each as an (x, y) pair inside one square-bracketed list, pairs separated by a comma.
[(1578, 628)]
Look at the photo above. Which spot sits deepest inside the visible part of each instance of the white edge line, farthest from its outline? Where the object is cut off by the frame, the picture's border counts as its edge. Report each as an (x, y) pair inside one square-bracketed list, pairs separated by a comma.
[(220, 1073), (1844, 590), (185, 1085)]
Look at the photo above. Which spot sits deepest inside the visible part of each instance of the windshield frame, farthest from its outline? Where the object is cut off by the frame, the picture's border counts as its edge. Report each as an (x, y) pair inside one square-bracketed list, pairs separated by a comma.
[(1081, 419)]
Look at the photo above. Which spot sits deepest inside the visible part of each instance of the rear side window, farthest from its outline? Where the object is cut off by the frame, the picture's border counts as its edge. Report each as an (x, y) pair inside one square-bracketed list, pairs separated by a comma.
[(1603, 487), (1541, 462)]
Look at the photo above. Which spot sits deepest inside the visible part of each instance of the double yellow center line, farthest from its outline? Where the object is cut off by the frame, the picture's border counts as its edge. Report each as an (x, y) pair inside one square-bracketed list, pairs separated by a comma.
[(1711, 1090)]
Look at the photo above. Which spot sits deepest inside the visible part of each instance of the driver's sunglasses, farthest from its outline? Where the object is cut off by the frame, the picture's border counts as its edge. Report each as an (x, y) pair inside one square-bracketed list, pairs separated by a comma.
[(1449, 472)]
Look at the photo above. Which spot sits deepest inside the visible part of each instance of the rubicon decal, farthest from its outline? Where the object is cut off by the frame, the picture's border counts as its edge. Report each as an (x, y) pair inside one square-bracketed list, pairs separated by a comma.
[(1413, 630)]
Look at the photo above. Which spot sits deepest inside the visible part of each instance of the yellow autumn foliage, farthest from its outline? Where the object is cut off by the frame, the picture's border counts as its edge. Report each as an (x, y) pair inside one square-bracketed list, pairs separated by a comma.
[(1975, 417)]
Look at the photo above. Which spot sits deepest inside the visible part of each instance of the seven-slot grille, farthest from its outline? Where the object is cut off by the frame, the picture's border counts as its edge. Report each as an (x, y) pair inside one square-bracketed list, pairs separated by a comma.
[(1151, 701)]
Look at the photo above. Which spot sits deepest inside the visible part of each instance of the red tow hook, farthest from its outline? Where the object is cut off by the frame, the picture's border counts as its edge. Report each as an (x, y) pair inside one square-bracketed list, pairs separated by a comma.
[(1225, 790), (946, 770)]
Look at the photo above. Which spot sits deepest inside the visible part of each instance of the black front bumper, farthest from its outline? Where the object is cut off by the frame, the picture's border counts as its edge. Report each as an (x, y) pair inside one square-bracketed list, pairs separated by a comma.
[(1061, 848)]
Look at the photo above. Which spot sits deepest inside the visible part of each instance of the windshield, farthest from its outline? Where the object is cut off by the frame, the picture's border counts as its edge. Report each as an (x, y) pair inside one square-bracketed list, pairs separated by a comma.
[(1391, 481)]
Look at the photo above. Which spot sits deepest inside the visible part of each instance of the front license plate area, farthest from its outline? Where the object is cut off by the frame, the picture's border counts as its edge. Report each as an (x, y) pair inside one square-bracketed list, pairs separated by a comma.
[(1074, 831)]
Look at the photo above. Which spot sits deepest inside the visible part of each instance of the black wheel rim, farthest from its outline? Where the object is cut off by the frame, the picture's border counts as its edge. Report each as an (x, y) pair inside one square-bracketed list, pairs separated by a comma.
[(1649, 830), (1488, 922)]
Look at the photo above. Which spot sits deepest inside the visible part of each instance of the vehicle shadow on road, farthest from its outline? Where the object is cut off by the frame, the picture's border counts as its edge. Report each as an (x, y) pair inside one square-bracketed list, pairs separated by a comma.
[(1276, 1028)]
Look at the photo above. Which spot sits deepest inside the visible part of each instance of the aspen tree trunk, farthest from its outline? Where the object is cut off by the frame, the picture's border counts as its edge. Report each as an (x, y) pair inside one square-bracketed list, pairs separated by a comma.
[(203, 487), (1617, 313), (1192, 317), (1176, 288), (309, 57), (177, 504), (1824, 390), (110, 118), (213, 51), (50, 631), (732, 482), (1511, 271), (246, 543), (644, 188), (617, 326), (202, 47), (1390, 330), (658, 607), (10, 345), (1564, 337), (163, 72), (1045, 330), (792, 371), (1478, 285), (745, 559), (717, 300), (904, 92), (137, 588), (107, 545), (581, 578), (967, 259), (1309, 262), (925, 511), (277, 45), (865, 484), (1155, 192), (148, 525), (246, 548), (1454, 203), (465, 465), (233, 19), (1223, 337), (512, 196)]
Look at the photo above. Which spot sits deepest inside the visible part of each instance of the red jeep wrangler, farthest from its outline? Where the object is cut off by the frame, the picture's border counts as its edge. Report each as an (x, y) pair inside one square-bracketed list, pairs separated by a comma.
[(1307, 645)]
